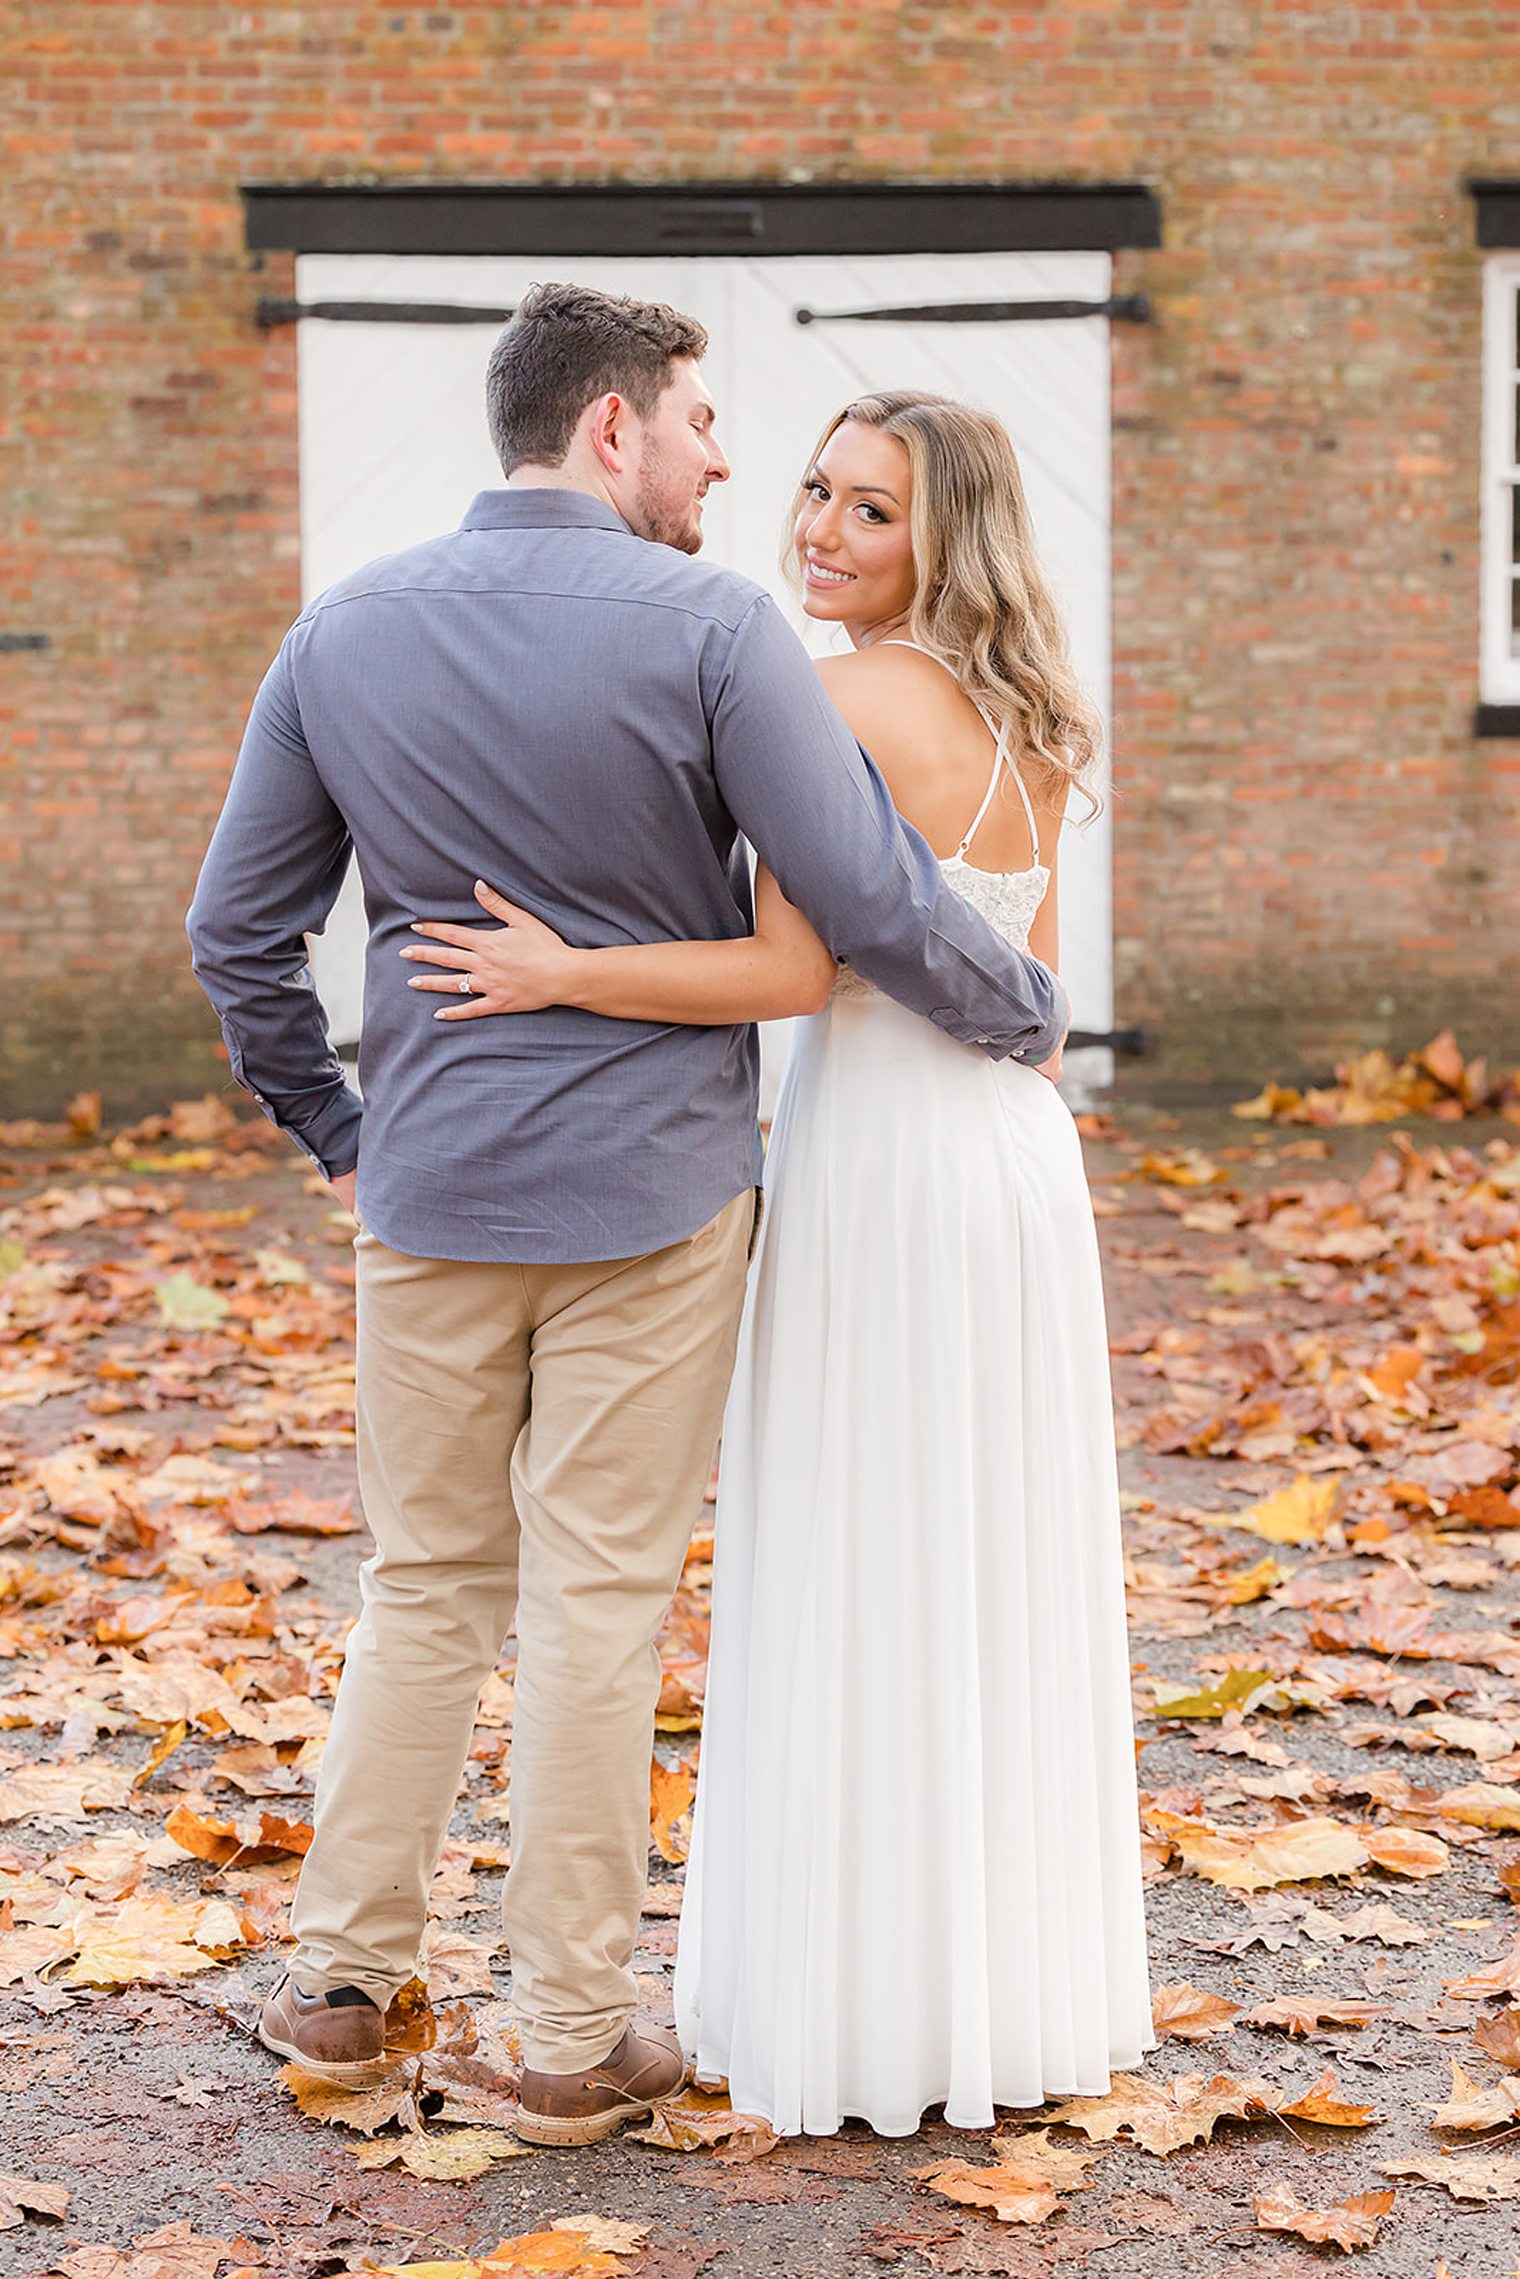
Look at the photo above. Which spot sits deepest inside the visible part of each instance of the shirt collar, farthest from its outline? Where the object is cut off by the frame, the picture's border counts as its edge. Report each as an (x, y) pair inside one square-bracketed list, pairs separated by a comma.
[(546, 509)]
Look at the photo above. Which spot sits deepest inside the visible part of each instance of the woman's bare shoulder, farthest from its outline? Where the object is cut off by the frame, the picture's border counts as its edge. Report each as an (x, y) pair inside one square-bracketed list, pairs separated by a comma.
[(891, 696)]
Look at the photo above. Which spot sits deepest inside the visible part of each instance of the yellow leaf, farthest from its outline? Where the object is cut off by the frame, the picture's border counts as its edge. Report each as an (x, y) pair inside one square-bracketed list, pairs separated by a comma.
[(1250, 1583), (184, 1303), (1300, 1514), (450, 2157), (1238, 1689), (1276, 1101), (151, 1935), (163, 1748), (1189, 1167)]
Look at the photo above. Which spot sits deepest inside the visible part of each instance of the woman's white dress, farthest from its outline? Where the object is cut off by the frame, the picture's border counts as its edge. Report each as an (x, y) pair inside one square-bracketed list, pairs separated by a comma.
[(915, 1873)]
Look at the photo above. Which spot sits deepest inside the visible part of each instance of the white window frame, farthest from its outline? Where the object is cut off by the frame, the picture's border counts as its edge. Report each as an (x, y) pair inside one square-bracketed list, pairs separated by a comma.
[(1500, 653)]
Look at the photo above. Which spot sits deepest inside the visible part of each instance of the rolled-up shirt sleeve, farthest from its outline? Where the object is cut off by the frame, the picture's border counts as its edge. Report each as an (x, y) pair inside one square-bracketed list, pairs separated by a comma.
[(814, 807), (271, 877)]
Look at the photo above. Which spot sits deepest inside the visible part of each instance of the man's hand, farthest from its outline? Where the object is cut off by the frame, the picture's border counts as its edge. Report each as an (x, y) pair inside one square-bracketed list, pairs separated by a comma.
[(1052, 1067), (343, 1187)]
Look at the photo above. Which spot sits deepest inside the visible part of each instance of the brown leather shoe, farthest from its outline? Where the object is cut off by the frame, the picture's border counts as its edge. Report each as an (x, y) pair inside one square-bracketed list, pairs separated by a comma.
[(579, 2108), (340, 2037)]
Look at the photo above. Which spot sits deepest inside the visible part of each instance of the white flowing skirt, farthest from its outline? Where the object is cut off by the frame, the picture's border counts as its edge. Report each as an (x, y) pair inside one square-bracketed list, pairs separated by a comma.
[(915, 1874)]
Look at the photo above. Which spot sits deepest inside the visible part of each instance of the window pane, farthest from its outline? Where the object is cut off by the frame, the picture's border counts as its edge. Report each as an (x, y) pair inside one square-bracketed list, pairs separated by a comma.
[(1517, 428), (1514, 618), (1514, 522)]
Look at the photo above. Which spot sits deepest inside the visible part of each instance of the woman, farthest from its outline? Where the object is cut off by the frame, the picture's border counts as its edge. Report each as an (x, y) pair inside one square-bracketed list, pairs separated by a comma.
[(915, 1874)]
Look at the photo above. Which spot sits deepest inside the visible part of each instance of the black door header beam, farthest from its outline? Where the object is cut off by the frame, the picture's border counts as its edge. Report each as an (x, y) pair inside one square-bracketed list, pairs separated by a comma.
[(700, 218), (1498, 202)]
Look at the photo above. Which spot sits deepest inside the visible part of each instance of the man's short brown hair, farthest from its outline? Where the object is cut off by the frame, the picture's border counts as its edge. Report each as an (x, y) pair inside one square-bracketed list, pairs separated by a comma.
[(567, 345)]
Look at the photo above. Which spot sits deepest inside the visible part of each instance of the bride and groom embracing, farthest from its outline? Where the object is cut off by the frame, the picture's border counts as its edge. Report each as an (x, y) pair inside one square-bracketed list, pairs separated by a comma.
[(915, 1872)]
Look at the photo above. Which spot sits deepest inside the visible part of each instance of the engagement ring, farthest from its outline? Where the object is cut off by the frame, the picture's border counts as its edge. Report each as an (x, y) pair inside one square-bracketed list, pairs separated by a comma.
[(465, 985)]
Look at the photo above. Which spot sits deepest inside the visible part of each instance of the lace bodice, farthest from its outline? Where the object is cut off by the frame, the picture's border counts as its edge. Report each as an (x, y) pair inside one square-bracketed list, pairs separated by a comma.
[(1007, 899)]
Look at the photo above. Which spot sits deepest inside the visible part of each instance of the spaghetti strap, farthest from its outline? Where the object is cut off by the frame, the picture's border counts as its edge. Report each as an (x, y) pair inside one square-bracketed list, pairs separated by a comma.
[(1000, 758)]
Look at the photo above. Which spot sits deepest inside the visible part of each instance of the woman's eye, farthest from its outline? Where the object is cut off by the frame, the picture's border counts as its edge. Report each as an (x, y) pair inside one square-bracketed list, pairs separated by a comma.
[(815, 490), (874, 512)]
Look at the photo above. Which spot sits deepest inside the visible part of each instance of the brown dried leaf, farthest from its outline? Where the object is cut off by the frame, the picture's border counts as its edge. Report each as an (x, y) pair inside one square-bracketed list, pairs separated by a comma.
[(672, 1792), (1481, 1804), (1185, 2013), (1022, 2187), (1163, 2116), (700, 2120), (1302, 2014), (1500, 1978), (1472, 2106), (363, 2110), (1499, 2037), (21, 2197), (1406, 1851), (1255, 1859), (1351, 2223), (609, 2233), (1320, 2103), (1485, 2176)]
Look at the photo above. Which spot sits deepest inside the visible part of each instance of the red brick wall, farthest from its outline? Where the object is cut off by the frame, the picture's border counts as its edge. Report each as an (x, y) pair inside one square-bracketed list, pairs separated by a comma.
[(1309, 842)]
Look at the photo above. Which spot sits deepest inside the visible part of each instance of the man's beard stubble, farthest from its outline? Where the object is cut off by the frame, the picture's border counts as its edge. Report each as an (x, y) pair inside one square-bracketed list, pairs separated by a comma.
[(663, 518)]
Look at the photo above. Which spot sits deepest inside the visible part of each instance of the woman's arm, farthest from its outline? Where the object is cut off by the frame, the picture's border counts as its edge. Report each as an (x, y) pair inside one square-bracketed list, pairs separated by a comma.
[(522, 966)]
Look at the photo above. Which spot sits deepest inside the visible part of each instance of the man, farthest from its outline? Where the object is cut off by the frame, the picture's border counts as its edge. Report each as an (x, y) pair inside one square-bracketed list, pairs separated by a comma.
[(555, 1210)]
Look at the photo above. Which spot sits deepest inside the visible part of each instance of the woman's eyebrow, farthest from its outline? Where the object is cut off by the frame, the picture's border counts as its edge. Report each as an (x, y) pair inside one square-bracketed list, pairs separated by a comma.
[(874, 491)]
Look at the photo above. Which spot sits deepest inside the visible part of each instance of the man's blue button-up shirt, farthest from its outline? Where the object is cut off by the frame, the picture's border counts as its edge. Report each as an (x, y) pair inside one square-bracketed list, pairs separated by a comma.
[(590, 722)]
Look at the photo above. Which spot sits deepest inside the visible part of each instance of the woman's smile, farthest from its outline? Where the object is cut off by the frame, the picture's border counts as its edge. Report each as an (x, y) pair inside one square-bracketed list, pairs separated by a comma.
[(853, 533)]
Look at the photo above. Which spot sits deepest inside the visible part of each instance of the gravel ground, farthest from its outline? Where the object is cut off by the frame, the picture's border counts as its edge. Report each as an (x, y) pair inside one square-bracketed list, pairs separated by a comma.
[(153, 2105)]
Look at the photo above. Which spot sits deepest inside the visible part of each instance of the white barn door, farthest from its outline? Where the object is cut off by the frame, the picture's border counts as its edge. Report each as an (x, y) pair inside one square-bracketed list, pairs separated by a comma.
[(393, 447)]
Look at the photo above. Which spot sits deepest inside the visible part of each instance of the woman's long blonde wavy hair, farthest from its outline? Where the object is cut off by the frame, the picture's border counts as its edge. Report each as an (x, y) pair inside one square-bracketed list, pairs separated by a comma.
[(981, 600)]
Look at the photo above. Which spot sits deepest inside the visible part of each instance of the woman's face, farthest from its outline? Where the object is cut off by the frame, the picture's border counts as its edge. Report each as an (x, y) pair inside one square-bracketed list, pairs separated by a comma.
[(854, 547)]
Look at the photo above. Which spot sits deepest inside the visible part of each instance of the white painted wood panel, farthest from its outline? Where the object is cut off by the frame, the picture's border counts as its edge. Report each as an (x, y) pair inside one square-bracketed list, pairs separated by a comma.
[(393, 446)]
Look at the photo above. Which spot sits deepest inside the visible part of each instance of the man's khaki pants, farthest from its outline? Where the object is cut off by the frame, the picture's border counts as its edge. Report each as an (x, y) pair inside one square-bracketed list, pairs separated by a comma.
[(533, 1440)]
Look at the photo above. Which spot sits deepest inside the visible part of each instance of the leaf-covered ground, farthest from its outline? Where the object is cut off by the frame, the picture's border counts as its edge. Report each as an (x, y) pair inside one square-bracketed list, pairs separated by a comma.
[(1317, 1342)]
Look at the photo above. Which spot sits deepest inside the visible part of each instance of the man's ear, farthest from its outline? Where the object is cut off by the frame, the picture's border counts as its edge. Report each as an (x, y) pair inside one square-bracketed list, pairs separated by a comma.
[(607, 431)]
